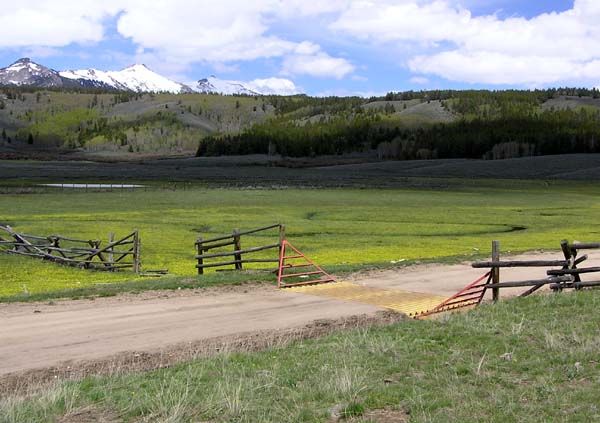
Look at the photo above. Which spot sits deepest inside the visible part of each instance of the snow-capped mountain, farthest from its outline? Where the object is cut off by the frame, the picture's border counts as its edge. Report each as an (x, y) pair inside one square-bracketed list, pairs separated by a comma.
[(136, 78), (212, 84), (26, 72)]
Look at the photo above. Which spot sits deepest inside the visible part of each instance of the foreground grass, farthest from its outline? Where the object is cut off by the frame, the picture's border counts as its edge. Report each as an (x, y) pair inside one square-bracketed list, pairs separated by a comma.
[(520, 360), (344, 228)]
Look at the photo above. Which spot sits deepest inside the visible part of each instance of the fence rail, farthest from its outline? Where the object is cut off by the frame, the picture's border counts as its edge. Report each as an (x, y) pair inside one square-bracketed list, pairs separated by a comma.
[(111, 255), (568, 276), (237, 255)]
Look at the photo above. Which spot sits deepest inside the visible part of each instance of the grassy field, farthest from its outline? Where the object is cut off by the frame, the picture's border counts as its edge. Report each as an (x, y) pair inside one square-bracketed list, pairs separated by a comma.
[(342, 229), (519, 360)]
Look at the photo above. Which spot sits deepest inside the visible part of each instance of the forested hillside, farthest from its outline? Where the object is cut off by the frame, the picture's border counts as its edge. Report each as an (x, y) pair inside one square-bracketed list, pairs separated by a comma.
[(122, 122), (407, 125), (426, 125)]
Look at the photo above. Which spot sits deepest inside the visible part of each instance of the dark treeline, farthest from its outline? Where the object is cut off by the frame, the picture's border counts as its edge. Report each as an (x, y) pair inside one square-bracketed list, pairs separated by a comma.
[(306, 105), (284, 137), (487, 95), (550, 132), (490, 125)]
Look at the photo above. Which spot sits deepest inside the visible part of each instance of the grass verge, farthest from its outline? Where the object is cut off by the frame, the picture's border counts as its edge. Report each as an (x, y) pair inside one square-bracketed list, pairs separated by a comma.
[(520, 360), (209, 280)]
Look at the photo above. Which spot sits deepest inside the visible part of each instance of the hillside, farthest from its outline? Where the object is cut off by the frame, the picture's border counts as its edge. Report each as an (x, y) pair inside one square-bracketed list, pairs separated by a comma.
[(406, 126), (123, 122), (425, 125)]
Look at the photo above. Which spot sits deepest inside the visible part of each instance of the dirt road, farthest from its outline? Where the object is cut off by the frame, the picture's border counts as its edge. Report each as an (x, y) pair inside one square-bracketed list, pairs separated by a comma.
[(34, 336), (446, 280), (37, 336)]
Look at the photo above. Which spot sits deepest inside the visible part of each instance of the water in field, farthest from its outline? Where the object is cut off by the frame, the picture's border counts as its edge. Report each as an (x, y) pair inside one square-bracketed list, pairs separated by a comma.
[(93, 186)]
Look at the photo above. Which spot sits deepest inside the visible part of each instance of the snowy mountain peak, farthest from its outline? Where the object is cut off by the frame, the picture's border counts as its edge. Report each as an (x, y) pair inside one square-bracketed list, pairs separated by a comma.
[(24, 63), (268, 86), (26, 72), (138, 67), (212, 84), (138, 78)]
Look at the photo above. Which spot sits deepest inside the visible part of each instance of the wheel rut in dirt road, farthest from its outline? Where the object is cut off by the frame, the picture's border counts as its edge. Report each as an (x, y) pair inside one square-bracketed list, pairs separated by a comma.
[(42, 335)]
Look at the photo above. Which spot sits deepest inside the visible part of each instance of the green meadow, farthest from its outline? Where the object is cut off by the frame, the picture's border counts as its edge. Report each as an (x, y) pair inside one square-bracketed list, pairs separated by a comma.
[(341, 229)]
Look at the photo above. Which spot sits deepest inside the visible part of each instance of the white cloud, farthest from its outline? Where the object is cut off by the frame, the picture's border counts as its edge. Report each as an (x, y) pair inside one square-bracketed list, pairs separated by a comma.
[(320, 65), (309, 59), (385, 20), (234, 31), (199, 31), (31, 23), (547, 49), (495, 68), (430, 37), (170, 34), (307, 48)]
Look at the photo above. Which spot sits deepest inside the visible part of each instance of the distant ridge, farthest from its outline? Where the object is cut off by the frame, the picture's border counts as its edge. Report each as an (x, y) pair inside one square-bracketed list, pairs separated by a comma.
[(136, 78)]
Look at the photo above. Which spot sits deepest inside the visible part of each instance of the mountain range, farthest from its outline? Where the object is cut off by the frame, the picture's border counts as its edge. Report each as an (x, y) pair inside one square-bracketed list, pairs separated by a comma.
[(136, 78)]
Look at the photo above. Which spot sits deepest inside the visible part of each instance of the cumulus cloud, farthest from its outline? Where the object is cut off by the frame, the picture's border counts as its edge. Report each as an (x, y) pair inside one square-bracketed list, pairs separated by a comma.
[(176, 32), (547, 49), (234, 31), (385, 20), (436, 37), (30, 23), (318, 64)]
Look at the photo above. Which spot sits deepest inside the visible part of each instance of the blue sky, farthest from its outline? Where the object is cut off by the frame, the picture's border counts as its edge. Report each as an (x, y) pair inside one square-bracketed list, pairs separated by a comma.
[(340, 47)]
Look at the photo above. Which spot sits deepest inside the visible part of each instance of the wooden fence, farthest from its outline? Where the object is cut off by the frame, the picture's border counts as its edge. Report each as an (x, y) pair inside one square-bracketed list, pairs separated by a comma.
[(237, 256), (111, 255), (566, 277)]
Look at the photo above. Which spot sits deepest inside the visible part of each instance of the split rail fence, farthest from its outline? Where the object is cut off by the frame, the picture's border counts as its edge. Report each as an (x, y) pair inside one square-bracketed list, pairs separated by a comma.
[(228, 250), (111, 255), (568, 276)]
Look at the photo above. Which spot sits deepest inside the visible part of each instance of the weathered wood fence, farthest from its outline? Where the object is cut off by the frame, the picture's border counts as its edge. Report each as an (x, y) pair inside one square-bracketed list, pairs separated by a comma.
[(567, 277), (238, 256), (111, 255)]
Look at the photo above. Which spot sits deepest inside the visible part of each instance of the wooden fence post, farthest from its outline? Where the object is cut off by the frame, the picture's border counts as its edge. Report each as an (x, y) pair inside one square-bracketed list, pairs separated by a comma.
[(200, 252), (495, 270), (570, 257), (111, 256), (281, 237), (136, 252), (237, 245), (281, 234)]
